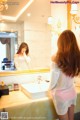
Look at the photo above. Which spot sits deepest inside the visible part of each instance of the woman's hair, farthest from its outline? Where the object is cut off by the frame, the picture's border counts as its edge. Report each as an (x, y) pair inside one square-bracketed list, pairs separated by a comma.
[(68, 54), (23, 45)]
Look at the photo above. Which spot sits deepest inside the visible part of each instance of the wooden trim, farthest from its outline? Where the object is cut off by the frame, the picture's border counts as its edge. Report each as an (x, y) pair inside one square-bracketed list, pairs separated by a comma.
[(69, 15)]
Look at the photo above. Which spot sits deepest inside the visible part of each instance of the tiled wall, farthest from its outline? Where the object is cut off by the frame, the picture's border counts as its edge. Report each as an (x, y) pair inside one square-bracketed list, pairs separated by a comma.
[(38, 37)]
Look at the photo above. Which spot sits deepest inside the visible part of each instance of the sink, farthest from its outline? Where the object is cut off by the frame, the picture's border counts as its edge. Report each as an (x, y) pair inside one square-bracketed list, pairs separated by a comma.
[(35, 90)]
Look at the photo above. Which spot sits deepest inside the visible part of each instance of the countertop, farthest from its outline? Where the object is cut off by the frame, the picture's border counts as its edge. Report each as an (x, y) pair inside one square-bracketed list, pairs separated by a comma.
[(17, 104)]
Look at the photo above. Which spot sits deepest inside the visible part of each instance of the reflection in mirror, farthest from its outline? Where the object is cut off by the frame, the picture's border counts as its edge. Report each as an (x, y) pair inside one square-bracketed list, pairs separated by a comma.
[(8, 46), (32, 29), (22, 58)]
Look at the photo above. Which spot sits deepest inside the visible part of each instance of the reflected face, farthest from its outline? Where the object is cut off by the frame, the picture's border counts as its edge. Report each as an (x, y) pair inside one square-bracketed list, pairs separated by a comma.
[(23, 50)]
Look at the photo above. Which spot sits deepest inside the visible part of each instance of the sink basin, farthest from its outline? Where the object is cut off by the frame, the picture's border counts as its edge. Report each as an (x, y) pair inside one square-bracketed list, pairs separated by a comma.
[(35, 90)]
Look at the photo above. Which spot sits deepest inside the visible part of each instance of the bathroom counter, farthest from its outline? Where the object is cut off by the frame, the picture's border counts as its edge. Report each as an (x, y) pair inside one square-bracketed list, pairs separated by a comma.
[(13, 99), (18, 105)]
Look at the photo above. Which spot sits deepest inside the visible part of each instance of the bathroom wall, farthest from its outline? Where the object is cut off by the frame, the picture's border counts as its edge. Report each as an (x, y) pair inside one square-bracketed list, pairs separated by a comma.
[(38, 36), (59, 22)]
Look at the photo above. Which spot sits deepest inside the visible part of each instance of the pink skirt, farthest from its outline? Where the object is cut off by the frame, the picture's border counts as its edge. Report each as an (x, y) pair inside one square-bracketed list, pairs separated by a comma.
[(65, 94)]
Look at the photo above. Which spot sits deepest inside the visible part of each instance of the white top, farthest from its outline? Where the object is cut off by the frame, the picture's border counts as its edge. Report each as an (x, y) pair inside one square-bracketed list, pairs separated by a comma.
[(62, 90), (22, 62)]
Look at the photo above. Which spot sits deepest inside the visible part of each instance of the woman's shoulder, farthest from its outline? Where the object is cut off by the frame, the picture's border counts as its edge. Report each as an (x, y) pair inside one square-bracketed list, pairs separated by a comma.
[(16, 55), (53, 63), (53, 58), (54, 66)]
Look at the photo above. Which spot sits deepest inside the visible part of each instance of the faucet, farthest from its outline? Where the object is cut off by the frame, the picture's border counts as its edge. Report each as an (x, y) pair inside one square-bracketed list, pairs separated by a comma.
[(39, 78)]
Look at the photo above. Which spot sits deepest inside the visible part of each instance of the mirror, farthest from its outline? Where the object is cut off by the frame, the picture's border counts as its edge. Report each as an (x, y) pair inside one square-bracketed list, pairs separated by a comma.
[(30, 28)]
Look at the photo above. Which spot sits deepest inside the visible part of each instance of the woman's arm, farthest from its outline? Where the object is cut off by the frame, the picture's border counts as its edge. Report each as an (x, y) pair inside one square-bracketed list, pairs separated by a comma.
[(28, 60), (54, 76), (16, 62)]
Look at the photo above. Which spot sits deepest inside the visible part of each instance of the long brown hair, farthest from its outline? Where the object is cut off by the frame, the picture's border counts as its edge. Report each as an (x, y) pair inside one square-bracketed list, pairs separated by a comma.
[(68, 54), (23, 45)]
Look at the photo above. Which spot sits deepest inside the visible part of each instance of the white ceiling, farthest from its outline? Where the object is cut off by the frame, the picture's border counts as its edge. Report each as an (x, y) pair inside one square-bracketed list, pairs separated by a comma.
[(39, 9)]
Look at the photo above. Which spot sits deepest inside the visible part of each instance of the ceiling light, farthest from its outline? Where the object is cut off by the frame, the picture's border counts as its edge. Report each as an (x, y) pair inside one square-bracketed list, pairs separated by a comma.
[(3, 5), (28, 14)]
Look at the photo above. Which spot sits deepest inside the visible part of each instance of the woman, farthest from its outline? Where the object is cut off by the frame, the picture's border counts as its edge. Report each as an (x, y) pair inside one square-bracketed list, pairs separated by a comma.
[(22, 59), (65, 66)]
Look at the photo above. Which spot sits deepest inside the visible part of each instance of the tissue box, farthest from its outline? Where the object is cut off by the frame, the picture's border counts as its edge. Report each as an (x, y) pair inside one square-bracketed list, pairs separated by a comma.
[(4, 90)]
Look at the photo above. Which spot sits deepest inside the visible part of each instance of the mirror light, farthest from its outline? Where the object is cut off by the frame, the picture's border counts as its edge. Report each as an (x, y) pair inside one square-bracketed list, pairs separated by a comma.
[(74, 10)]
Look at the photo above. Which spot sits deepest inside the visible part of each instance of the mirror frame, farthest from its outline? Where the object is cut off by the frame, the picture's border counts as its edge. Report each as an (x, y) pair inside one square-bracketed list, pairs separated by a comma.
[(19, 72)]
